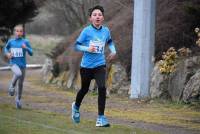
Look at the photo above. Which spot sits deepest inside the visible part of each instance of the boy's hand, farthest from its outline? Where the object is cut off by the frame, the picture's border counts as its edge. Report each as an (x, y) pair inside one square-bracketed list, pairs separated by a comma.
[(24, 46), (9, 55), (111, 56), (91, 49)]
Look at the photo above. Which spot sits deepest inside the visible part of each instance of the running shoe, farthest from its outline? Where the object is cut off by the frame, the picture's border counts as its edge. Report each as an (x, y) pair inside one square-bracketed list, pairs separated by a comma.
[(18, 104), (102, 121), (11, 91), (75, 113)]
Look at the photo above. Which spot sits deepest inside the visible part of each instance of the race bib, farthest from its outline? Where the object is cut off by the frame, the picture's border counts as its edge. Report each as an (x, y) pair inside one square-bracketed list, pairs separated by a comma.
[(99, 45), (16, 52)]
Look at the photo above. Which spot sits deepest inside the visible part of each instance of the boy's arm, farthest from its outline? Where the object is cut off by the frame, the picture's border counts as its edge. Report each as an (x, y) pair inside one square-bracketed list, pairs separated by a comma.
[(112, 55), (111, 46), (110, 43), (80, 47)]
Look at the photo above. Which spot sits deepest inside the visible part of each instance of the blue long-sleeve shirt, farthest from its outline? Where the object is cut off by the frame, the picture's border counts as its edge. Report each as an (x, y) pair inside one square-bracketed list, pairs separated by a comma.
[(14, 46), (98, 38)]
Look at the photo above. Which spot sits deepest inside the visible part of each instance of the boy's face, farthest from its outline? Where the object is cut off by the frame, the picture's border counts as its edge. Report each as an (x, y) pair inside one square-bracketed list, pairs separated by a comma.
[(97, 18), (19, 32)]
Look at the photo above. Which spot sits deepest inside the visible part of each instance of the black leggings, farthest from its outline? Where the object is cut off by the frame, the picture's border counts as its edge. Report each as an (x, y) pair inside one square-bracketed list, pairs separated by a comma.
[(99, 74)]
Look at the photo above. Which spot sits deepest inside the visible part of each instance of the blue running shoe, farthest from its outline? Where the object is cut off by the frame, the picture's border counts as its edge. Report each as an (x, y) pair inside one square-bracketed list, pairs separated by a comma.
[(11, 91), (18, 104), (102, 121), (75, 113)]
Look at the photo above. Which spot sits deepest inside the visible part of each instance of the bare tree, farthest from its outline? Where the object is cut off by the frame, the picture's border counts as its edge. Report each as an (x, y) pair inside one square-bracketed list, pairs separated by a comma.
[(74, 12)]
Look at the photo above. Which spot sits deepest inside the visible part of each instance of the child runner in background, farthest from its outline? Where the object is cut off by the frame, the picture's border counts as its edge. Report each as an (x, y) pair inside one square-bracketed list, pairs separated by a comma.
[(15, 50), (91, 42)]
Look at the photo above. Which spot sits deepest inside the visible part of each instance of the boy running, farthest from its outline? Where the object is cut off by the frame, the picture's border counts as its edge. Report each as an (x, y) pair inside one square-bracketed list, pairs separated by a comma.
[(15, 50), (91, 42)]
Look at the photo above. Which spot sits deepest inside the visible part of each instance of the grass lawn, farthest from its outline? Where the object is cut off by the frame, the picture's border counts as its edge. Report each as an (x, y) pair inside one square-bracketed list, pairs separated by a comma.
[(28, 121)]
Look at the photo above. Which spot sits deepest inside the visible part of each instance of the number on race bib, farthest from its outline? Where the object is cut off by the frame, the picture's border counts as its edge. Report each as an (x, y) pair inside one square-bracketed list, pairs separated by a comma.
[(99, 45), (16, 52)]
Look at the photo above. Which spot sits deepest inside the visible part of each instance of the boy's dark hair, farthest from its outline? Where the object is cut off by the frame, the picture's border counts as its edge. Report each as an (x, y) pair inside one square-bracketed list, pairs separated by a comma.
[(95, 7)]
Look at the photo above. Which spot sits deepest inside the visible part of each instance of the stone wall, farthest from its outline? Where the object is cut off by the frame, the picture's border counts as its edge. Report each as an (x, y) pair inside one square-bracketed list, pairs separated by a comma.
[(70, 79), (183, 84)]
